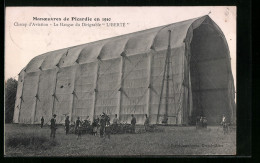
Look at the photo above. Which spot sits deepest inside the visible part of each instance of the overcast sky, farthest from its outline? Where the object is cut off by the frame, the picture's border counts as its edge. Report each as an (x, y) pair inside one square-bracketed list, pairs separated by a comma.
[(24, 43)]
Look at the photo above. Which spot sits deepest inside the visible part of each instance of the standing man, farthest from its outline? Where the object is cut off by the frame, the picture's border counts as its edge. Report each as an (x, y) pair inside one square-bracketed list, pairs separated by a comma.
[(223, 119), (146, 123), (42, 121), (94, 126), (224, 124), (115, 120), (133, 122), (114, 126), (107, 127), (201, 121), (205, 122), (53, 126), (67, 125), (77, 125), (102, 125)]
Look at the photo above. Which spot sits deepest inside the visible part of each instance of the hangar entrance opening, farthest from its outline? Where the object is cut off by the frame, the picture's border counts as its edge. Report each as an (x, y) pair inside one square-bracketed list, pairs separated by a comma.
[(209, 74)]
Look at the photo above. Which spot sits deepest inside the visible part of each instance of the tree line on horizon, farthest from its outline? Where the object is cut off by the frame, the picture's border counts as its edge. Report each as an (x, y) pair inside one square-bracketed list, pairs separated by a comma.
[(10, 96)]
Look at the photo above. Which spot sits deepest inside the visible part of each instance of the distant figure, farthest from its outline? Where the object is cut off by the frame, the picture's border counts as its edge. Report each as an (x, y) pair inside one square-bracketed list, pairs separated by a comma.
[(223, 119), (53, 126), (146, 123), (95, 126), (77, 125), (204, 122), (133, 122), (42, 121), (115, 125), (107, 127), (86, 122), (224, 124), (78, 128), (201, 121), (102, 125), (67, 125), (115, 120), (165, 119)]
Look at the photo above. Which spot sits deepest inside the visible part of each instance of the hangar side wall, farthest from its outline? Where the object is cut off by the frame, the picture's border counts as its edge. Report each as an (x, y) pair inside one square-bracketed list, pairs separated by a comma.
[(176, 87), (45, 91), (84, 86), (113, 86), (28, 98), (18, 98)]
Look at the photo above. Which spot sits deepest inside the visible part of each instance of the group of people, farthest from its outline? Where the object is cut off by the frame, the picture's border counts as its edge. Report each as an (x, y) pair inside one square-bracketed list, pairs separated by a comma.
[(103, 124), (201, 122), (53, 126), (105, 128)]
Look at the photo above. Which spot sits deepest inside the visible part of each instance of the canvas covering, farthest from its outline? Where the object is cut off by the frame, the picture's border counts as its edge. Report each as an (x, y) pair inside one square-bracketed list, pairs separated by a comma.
[(124, 75)]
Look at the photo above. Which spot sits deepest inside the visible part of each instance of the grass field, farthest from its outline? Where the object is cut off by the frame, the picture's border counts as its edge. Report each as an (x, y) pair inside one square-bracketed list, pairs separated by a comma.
[(172, 141)]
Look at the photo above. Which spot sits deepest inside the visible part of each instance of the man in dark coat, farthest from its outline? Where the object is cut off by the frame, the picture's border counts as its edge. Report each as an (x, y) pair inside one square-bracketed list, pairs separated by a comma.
[(115, 120), (94, 126), (102, 125), (146, 123), (53, 126), (42, 122), (133, 122), (224, 124), (204, 122), (107, 127), (77, 125), (67, 125)]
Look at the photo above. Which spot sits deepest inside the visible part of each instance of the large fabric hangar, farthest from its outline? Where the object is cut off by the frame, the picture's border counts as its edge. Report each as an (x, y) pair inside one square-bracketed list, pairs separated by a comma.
[(181, 70)]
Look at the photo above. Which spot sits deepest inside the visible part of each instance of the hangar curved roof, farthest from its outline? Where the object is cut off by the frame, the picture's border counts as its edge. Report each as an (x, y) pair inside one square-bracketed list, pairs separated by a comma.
[(130, 44)]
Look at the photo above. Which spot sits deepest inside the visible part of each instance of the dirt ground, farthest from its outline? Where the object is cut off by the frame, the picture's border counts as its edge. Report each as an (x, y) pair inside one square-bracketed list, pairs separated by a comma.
[(173, 140)]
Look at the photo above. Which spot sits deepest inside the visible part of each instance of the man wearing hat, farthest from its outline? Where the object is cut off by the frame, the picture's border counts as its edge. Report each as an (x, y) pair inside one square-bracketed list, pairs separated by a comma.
[(102, 124), (133, 122), (146, 123), (42, 121), (67, 125), (78, 123), (53, 126)]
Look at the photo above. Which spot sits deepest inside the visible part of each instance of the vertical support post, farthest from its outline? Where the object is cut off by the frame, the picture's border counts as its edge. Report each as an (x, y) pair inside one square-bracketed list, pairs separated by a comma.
[(72, 94), (190, 97), (54, 93), (20, 105), (95, 86), (121, 76), (168, 72), (184, 74), (188, 111), (149, 72), (185, 86), (36, 100)]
